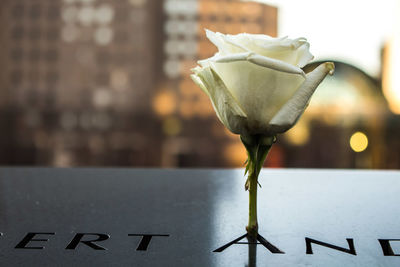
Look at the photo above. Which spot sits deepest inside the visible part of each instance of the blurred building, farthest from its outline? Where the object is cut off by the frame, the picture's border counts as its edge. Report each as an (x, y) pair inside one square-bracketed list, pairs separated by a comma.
[(94, 82), (77, 80)]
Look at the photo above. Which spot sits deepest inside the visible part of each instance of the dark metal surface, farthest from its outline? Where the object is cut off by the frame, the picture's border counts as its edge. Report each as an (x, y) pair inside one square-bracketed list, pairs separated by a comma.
[(195, 212)]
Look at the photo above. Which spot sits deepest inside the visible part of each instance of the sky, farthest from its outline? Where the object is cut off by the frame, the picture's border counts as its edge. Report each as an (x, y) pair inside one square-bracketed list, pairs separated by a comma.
[(345, 30)]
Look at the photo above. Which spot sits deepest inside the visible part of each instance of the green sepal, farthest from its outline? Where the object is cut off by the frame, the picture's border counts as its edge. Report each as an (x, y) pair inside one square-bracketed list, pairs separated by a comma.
[(262, 153), (257, 147), (265, 144), (251, 145)]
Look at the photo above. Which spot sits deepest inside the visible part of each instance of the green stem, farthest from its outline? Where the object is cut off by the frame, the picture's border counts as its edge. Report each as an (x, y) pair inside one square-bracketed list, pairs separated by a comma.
[(252, 227), (257, 147)]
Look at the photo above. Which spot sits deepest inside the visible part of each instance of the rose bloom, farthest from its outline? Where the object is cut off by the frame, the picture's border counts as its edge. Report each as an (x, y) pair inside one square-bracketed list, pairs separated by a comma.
[(256, 83)]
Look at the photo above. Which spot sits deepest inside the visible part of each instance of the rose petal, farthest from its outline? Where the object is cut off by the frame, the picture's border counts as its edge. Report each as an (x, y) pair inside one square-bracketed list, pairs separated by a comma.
[(259, 60), (198, 81), (260, 91), (294, 108), (215, 39), (218, 39), (248, 40), (303, 55), (227, 108), (295, 52)]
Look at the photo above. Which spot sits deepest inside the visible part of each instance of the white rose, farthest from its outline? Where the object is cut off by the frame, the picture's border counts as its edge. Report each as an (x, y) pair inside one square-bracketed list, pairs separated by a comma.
[(255, 82)]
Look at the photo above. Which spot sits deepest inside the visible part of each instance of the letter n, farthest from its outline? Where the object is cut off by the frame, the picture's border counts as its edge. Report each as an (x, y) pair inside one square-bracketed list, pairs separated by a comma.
[(351, 250), (387, 248)]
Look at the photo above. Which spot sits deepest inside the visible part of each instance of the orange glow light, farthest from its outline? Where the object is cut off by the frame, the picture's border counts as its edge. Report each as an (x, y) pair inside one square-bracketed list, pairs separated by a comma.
[(164, 103)]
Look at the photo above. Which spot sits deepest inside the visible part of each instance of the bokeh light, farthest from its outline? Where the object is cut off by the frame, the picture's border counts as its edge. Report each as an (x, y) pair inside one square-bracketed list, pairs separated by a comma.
[(358, 142), (103, 35), (164, 103)]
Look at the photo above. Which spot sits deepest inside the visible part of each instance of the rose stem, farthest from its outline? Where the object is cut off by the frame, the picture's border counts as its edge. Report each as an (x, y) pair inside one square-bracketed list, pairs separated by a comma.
[(252, 228)]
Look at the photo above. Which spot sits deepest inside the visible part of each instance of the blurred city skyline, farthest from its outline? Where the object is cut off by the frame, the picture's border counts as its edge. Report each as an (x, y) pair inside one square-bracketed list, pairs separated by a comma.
[(105, 83)]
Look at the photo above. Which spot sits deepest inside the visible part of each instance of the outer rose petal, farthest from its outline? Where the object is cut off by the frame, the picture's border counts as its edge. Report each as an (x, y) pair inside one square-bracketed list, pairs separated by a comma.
[(260, 91), (227, 108), (224, 48), (258, 60), (303, 55), (198, 81), (295, 52), (294, 108)]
